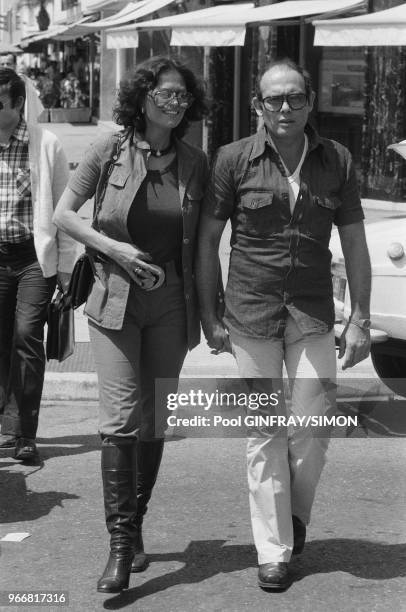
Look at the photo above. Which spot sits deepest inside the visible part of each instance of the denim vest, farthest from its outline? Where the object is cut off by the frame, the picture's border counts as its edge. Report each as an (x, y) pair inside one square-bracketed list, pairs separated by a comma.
[(107, 301)]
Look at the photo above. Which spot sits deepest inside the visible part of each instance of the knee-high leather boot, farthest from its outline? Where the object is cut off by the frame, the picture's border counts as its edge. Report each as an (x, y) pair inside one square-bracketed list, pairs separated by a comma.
[(149, 455), (118, 464)]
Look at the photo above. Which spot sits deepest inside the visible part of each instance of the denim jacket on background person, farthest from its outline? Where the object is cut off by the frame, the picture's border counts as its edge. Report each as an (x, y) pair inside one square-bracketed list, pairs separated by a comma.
[(280, 262), (108, 297)]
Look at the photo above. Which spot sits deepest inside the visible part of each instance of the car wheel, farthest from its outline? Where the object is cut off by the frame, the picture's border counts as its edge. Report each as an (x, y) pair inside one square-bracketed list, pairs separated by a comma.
[(391, 369)]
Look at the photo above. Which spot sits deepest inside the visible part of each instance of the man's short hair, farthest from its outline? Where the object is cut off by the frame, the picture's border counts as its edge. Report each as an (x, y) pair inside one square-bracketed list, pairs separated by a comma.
[(285, 62), (11, 84)]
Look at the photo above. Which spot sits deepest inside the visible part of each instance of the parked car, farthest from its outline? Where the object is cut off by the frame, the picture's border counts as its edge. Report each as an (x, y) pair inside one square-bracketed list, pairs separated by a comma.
[(387, 247)]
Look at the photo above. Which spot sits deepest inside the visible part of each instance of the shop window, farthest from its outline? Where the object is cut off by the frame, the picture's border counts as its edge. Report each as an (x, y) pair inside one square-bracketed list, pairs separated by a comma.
[(340, 98)]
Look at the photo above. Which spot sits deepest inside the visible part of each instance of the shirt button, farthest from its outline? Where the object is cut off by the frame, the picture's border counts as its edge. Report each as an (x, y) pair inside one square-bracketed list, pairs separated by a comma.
[(186, 241)]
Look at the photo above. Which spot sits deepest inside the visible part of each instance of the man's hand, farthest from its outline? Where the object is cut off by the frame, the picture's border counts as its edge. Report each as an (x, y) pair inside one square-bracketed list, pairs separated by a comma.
[(355, 345), (216, 336), (62, 280)]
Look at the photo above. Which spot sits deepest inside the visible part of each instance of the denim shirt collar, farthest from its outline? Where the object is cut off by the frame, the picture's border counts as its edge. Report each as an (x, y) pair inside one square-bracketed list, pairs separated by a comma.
[(262, 140)]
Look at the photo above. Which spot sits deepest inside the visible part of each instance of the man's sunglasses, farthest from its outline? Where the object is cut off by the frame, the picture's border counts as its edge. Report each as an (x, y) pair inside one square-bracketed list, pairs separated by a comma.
[(296, 101), (162, 97)]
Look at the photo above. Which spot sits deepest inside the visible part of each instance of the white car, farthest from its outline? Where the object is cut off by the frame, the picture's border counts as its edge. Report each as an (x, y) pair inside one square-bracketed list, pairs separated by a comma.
[(387, 243)]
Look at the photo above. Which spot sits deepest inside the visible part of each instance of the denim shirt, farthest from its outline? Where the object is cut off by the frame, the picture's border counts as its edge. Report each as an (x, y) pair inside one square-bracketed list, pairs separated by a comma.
[(280, 262), (107, 301)]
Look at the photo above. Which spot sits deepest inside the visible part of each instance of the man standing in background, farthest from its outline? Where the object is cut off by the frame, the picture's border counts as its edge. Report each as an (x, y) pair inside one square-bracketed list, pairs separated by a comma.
[(34, 255)]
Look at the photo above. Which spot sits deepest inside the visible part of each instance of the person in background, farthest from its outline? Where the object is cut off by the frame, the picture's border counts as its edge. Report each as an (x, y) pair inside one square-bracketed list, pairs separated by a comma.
[(34, 255), (282, 189), (8, 60), (148, 191), (50, 87)]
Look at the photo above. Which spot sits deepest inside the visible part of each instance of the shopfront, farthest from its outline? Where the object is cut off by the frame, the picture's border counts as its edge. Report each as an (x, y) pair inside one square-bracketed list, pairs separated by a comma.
[(66, 74), (377, 40)]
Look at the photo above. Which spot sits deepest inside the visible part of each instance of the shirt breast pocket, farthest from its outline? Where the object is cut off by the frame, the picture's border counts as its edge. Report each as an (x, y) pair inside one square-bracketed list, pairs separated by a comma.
[(323, 214), (118, 177), (257, 214), (23, 183)]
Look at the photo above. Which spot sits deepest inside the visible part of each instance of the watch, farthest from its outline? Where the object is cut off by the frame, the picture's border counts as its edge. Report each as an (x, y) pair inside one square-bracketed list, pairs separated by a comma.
[(361, 323)]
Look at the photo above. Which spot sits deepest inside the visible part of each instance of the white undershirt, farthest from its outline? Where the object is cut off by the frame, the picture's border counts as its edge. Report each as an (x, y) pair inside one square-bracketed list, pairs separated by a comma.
[(294, 178)]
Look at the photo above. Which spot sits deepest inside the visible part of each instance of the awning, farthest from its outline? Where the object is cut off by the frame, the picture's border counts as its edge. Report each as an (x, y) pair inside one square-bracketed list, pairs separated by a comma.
[(187, 28), (61, 32), (386, 28), (131, 12), (46, 34), (226, 25), (122, 40), (74, 30)]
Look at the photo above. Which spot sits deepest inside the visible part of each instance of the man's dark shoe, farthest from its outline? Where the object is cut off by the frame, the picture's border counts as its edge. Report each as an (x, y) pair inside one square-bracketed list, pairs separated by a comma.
[(26, 450), (7, 441), (274, 576), (299, 535)]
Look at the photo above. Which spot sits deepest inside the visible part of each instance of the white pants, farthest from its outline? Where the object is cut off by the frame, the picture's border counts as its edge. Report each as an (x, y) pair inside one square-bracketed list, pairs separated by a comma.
[(284, 465)]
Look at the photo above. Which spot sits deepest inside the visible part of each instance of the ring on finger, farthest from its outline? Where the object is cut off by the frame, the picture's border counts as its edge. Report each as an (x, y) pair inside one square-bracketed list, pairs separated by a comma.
[(138, 270)]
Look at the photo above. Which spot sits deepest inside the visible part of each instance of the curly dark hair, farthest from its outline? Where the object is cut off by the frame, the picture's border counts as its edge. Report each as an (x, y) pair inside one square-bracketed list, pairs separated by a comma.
[(134, 88)]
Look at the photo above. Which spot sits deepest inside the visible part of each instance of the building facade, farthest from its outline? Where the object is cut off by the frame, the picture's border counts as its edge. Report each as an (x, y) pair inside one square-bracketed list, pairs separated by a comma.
[(360, 91)]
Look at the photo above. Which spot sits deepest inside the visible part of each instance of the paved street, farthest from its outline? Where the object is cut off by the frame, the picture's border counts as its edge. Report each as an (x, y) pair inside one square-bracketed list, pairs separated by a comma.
[(198, 528)]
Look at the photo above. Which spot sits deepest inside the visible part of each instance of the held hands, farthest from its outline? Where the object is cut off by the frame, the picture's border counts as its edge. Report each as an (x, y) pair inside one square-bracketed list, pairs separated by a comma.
[(355, 345), (216, 336)]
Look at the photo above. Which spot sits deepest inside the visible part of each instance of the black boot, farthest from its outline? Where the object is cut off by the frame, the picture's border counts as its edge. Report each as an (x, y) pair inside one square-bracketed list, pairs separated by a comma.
[(118, 462), (149, 455)]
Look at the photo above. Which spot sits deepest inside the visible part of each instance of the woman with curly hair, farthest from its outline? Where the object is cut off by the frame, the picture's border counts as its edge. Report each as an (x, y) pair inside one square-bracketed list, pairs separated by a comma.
[(142, 306)]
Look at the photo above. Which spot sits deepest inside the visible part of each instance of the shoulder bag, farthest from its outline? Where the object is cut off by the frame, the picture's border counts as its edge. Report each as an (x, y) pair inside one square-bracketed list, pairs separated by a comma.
[(84, 270)]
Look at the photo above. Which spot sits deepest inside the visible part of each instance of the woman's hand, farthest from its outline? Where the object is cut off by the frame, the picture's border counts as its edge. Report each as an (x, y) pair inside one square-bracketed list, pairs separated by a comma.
[(134, 262)]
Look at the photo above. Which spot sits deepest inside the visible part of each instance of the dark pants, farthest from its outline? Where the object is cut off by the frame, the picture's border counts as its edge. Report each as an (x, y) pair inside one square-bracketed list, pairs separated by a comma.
[(151, 345), (24, 297)]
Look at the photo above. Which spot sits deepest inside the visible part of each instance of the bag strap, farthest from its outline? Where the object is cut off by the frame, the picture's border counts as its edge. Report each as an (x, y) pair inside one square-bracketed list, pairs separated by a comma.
[(114, 157), (115, 154)]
